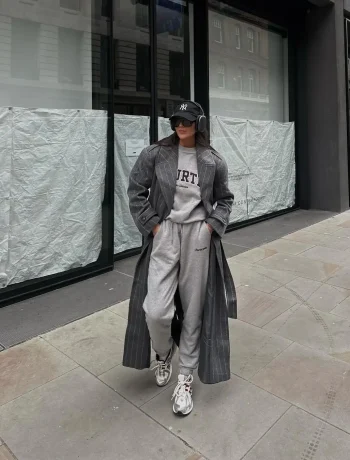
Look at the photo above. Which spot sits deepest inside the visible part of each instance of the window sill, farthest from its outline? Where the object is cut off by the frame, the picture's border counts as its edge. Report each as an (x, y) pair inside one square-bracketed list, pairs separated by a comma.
[(69, 11), (28, 2)]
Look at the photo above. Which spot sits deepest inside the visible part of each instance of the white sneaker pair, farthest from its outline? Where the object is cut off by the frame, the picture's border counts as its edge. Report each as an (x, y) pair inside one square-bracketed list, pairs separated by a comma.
[(183, 402)]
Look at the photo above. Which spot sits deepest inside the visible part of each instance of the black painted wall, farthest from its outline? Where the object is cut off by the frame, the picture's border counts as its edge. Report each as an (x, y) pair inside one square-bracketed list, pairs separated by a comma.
[(321, 110)]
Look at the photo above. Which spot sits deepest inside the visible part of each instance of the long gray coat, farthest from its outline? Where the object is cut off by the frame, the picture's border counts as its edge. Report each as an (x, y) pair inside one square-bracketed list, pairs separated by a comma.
[(156, 169)]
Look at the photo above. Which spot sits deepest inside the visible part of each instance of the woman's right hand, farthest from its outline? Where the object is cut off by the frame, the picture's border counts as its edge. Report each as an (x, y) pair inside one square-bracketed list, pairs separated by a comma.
[(155, 229)]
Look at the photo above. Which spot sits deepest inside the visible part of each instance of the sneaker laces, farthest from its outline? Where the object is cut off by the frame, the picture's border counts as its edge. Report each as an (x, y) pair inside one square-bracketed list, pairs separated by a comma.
[(161, 367), (182, 386)]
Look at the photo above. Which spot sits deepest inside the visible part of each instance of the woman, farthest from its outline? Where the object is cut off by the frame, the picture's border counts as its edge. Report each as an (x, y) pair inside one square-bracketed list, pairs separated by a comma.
[(180, 202)]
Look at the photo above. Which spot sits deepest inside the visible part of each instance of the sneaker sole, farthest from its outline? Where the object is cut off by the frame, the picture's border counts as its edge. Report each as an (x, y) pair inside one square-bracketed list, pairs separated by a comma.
[(166, 383), (183, 413)]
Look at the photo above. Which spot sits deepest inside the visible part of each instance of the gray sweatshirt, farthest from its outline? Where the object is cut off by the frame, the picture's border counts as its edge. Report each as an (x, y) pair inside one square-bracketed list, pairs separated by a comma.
[(188, 206)]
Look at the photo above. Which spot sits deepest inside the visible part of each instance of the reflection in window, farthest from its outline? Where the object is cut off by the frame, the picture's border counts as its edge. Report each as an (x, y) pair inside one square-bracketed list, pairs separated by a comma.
[(217, 30), (239, 79), (131, 57), (105, 8), (252, 81), (143, 78), (24, 49), (177, 74), (238, 37), (247, 74), (70, 4), (258, 42), (221, 76), (174, 19), (250, 36), (141, 12), (69, 67), (104, 61)]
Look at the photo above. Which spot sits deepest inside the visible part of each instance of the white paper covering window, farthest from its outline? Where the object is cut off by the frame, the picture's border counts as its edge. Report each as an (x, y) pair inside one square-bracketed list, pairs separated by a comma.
[(53, 165)]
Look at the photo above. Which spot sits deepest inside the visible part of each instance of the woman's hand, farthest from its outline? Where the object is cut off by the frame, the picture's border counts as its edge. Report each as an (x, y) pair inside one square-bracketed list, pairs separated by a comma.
[(210, 228), (155, 229)]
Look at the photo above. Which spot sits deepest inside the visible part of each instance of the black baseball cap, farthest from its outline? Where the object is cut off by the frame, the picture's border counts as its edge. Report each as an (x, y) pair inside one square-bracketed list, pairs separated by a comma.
[(187, 110)]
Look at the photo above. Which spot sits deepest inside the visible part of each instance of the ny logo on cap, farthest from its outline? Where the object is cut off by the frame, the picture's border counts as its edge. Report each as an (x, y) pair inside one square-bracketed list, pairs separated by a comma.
[(183, 107)]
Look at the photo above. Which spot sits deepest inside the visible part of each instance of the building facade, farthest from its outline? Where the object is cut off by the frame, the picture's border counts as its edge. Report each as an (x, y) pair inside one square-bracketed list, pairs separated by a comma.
[(86, 84)]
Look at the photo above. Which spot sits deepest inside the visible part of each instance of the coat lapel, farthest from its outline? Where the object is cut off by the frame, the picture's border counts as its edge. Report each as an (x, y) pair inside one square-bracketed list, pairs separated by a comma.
[(167, 173), (206, 172)]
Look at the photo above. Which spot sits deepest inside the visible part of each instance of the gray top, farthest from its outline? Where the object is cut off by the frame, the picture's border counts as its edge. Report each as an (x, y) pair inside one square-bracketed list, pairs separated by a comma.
[(188, 206)]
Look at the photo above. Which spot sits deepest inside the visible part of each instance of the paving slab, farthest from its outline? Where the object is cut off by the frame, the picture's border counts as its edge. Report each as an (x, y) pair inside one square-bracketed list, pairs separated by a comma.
[(329, 241), (121, 309), (314, 329), (136, 386), (288, 247), (35, 316), (252, 348), (343, 232), (254, 255), (300, 266), (257, 234), (232, 250), (303, 236), (326, 227), (327, 297), (5, 454), (299, 435), (94, 342), (228, 418), (259, 308), (302, 218), (345, 223), (283, 277), (77, 416), (311, 380), (127, 265), (248, 275), (298, 290), (340, 218), (340, 278), (343, 309), (328, 255), (28, 366)]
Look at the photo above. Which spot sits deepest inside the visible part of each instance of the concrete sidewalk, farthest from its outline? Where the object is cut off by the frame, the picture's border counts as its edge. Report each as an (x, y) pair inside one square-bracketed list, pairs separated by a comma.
[(65, 395)]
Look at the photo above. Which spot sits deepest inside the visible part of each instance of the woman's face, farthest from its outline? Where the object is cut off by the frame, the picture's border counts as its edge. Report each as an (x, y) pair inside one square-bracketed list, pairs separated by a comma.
[(185, 132)]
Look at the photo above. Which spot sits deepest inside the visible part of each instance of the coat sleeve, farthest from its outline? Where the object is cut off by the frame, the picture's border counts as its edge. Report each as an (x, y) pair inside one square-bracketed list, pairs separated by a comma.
[(223, 197), (140, 180)]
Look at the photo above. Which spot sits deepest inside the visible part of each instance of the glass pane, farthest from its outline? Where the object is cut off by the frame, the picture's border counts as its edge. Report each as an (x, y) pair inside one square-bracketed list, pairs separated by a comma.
[(132, 107), (249, 111), (174, 41), (53, 138)]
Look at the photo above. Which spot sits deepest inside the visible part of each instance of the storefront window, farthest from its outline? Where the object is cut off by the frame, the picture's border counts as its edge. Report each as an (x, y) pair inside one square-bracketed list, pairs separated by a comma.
[(53, 145), (217, 30), (238, 37), (249, 111), (174, 21), (250, 35), (132, 107)]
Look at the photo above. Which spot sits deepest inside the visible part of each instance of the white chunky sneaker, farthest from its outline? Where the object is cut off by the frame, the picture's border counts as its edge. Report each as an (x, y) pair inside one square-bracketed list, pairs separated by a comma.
[(163, 369), (183, 403)]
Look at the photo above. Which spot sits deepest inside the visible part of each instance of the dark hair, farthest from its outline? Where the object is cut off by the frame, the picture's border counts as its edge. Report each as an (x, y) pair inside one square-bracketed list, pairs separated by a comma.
[(202, 139)]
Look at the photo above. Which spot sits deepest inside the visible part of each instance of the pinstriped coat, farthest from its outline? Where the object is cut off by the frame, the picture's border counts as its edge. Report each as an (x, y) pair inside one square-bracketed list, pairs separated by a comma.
[(151, 193)]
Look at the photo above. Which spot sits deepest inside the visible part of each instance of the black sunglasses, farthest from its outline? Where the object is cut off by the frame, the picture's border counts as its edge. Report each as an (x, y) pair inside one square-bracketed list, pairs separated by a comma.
[(185, 123)]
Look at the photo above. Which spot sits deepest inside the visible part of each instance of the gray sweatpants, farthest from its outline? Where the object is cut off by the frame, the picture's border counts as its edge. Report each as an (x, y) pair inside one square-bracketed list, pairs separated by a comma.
[(180, 257)]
